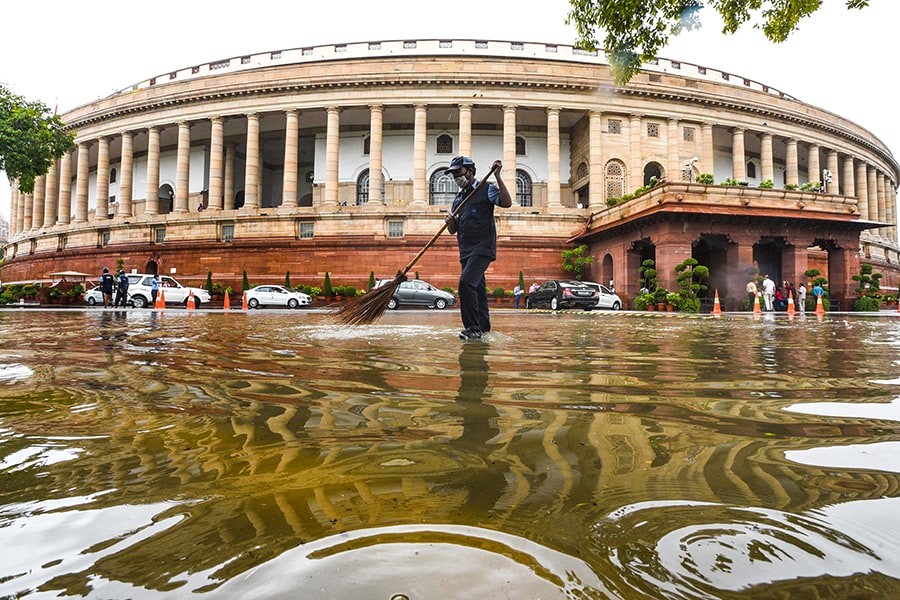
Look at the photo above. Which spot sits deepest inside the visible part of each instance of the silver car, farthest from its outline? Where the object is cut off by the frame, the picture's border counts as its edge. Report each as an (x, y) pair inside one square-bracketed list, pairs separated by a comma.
[(416, 292)]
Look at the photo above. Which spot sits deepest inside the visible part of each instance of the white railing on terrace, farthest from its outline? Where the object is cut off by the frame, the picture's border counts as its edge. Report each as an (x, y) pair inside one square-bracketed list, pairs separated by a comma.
[(558, 52)]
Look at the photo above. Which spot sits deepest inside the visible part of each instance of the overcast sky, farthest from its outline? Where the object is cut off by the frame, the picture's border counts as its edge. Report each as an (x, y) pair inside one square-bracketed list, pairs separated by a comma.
[(70, 53)]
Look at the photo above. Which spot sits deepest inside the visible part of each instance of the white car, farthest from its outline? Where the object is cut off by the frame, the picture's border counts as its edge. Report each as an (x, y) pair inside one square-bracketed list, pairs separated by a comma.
[(94, 297), (139, 287), (276, 295), (608, 298)]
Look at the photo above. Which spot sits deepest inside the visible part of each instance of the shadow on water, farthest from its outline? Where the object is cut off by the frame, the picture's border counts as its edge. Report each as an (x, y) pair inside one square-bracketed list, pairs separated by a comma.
[(272, 454)]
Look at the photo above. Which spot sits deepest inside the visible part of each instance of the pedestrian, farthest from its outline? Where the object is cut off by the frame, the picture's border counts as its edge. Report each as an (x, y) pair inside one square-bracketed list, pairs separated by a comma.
[(476, 235), (107, 283), (154, 290), (818, 293), (517, 292), (122, 290), (801, 297), (768, 292), (752, 292), (534, 287)]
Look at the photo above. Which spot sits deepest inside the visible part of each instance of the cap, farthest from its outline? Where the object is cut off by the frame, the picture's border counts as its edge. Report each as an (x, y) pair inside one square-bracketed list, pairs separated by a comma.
[(459, 162), (105, 270)]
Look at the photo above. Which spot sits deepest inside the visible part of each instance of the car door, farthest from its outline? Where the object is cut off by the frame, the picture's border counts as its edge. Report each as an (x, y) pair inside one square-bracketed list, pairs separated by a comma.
[(406, 293), (173, 290), (544, 293)]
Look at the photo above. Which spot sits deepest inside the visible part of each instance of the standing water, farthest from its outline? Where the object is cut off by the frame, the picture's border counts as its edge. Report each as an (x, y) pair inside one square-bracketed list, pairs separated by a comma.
[(274, 454)]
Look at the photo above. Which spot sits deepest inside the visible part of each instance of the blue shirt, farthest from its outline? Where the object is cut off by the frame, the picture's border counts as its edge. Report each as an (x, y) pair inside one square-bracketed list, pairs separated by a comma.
[(476, 232)]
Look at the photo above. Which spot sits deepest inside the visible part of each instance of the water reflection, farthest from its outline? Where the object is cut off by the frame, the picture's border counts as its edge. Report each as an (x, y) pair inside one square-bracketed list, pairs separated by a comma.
[(154, 454)]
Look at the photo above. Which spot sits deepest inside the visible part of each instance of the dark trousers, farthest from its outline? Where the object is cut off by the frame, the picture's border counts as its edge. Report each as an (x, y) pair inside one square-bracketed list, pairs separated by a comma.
[(121, 298), (473, 300)]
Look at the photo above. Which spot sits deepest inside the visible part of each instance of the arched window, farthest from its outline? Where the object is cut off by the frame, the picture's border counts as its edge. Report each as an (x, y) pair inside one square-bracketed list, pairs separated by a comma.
[(444, 144), (523, 188), (651, 171), (614, 174), (362, 188), (751, 169), (581, 171), (520, 146), (442, 189), (112, 175)]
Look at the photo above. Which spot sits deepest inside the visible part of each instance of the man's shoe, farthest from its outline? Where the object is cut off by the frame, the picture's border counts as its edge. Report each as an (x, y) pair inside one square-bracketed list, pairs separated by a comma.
[(470, 334)]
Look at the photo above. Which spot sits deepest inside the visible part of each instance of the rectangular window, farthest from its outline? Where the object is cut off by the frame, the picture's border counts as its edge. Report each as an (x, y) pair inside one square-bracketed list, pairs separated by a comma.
[(103, 238), (395, 229), (61, 242), (307, 229), (159, 235), (689, 134), (226, 232)]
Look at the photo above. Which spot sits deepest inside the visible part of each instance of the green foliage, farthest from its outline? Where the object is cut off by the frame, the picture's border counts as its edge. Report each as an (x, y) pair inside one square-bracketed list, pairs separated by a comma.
[(499, 292), (636, 31), (647, 274), (867, 304), (287, 279), (245, 283), (768, 184), (705, 179), (30, 138), (869, 290), (660, 294), (309, 290), (371, 280), (574, 261), (815, 278), (643, 300), (448, 289), (120, 264), (76, 290), (326, 287), (731, 182), (790, 187), (209, 282), (522, 281), (613, 201), (690, 277)]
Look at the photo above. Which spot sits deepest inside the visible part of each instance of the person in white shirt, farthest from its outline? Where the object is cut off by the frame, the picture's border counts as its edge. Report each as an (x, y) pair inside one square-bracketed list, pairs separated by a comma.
[(768, 292), (801, 298)]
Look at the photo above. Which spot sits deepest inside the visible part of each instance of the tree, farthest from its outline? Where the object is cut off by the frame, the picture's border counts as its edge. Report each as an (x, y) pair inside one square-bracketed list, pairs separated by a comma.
[(209, 282), (575, 262), (287, 279), (245, 282), (637, 29), (30, 139)]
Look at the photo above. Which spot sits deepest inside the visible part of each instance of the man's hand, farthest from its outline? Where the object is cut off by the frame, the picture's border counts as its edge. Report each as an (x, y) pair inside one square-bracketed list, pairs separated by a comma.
[(450, 220), (505, 198)]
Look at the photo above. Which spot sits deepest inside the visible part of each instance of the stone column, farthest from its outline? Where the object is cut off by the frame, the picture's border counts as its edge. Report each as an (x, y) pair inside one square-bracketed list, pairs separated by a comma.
[(251, 171), (835, 186), (554, 200), (767, 158), (862, 191), (228, 183), (595, 156), (101, 212), (216, 156), (151, 206), (51, 195), (872, 195), (332, 160), (375, 149), (40, 194), (673, 150), (81, 183), (791, 173), (15, 208), (849, 177), (881, 201), (183, 168), (813, 169), (707, 159), (420, 141), (636, 166), (738, 156), (27, 212), (892, 190), (509, 152), (291, 144), (127, 180), (465, 130), (64, 216), (794, 263)]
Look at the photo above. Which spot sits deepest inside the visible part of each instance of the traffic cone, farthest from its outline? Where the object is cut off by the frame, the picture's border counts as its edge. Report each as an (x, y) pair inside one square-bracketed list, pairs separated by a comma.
[(227, 304), (756, 307), (717, 308), (244, 301), (191, 305), (820, 308), (790, 309), (160, 300)]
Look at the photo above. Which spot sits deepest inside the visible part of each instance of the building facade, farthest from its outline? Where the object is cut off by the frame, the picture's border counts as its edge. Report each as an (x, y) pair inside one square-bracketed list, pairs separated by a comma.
[(332, 158)]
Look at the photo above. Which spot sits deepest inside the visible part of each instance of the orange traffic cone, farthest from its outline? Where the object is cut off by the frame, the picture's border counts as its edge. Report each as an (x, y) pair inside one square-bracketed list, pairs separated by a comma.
[(191, 305), (244, 301), (227, 304), (160, 300), (756, 306), (717, 308), (790, 309), (820, 308)]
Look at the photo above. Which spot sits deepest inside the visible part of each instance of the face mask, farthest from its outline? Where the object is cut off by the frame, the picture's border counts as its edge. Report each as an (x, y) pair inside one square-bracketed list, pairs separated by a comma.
[(461, 181)]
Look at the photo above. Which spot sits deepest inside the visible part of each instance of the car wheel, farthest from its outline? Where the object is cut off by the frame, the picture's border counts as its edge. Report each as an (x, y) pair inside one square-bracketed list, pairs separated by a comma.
[(253, 303), (393, 304), (554, 304), (616, 306), (292, 303), (440, 304), (138, 301), (528, 303), (92, 301)]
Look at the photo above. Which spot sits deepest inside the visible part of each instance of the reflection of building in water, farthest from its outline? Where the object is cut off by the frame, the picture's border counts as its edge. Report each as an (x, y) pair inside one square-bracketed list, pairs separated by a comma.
[(333, 158)]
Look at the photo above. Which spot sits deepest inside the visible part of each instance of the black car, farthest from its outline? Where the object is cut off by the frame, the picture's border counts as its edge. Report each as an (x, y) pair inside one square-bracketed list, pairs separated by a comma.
[(563, 293)]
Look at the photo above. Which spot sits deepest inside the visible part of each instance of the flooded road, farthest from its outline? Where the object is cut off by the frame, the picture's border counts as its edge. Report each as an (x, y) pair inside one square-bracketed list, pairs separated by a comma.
[(274, 454)]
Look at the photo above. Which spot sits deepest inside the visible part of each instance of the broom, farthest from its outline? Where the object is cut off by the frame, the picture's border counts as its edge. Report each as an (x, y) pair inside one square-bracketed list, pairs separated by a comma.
[(369, 307)]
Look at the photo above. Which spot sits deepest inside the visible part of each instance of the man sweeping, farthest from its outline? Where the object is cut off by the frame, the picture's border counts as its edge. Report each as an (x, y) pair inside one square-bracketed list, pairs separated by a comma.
[(476, 235)]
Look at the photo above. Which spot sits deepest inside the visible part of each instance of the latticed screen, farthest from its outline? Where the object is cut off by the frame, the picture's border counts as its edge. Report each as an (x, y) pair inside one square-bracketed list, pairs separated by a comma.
[(615, 179)]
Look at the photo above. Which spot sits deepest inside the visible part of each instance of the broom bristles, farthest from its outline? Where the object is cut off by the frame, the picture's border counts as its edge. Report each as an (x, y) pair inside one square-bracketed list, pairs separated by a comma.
[(369, 307)]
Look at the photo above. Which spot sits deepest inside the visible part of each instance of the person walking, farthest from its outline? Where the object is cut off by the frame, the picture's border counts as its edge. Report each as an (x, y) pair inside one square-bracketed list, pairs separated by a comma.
[(801, 298), (154, 290), (107, 283), (476, 235), (122, 290), (768, 292), (751, 293), (517, 292)]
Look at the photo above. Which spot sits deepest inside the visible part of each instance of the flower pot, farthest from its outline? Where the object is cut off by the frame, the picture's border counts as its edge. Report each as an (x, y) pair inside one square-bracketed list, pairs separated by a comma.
[(651, 307), (660, 306), (670, 308)]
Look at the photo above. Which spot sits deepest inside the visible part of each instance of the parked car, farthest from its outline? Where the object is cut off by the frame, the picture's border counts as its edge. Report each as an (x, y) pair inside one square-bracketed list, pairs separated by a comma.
[(416, 292), (94, 297), (276, 295), (175, 293), (563, 293), (608, 298)]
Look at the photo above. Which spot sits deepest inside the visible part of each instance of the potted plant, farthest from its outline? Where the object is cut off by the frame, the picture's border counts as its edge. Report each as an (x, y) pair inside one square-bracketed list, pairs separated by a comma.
[(659, 295), (499, 294), (673, 301)]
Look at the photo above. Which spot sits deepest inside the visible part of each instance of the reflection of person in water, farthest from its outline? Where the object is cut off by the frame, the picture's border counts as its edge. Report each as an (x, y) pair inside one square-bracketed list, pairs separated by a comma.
[(485, 485)]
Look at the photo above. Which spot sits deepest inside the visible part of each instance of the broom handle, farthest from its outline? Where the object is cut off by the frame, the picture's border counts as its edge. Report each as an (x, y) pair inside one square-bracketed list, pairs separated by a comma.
[(454, 214)]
